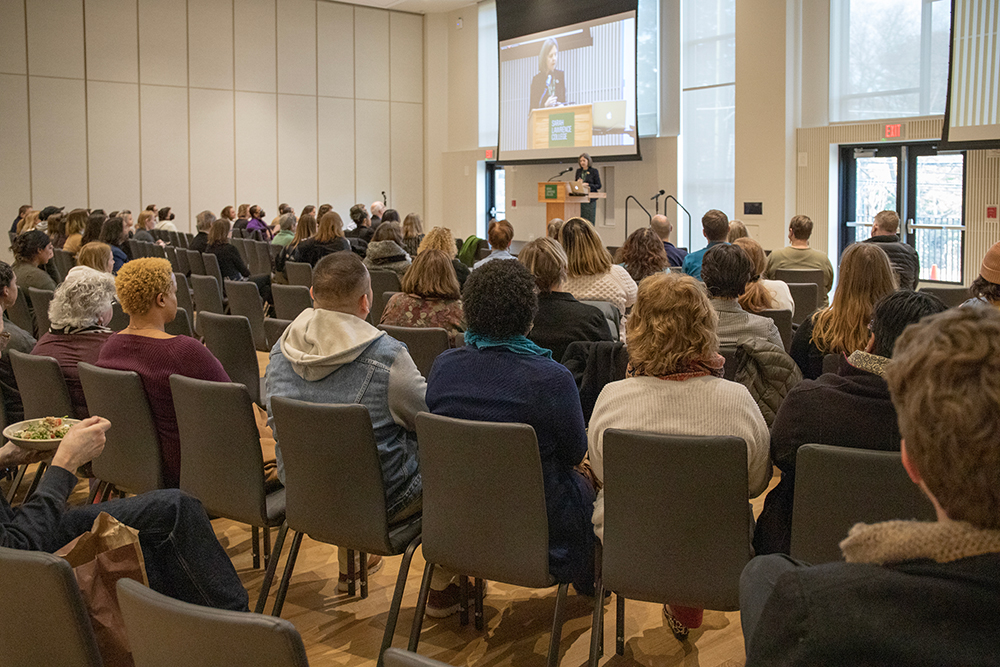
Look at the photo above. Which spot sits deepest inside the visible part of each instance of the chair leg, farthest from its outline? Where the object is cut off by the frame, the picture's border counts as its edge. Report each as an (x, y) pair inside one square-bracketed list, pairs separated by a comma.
[(418, 613), (267, 545), (293, 553), (463, 605), (350, 572), (557, 623), (364, 575), (272, 566), (397, 598), (479, 604), (620, 625), (93, 492), (255, 546), (15, 483), (597, 627), (39, 471)]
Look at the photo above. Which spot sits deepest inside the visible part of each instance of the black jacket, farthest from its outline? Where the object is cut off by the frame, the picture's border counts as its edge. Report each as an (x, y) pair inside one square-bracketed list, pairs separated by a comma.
[(539, 92), (561, 320), (903, 257), (199, 242), (591, 177), (231, 263), (311, 251)]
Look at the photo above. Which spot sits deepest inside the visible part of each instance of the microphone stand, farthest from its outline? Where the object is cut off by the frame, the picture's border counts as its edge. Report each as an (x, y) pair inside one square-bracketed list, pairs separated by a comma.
[(657, 200), (626, 211), (683, 209), (564, 171)]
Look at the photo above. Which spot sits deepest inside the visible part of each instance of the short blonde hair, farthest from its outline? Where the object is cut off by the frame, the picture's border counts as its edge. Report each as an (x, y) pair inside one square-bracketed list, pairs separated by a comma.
[(439, 238), (96, 255), (145, 220), (547, 262), (552, 229), (671, 325), (585, 254), (432, 276), (140, 281)]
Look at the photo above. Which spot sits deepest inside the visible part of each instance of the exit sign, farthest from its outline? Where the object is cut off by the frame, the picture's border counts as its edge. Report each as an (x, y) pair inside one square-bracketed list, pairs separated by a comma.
[(893, 131)]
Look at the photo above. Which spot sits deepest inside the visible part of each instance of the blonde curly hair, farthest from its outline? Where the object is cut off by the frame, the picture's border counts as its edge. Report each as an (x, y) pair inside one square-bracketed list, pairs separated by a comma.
[(439, 238), (140, 281)]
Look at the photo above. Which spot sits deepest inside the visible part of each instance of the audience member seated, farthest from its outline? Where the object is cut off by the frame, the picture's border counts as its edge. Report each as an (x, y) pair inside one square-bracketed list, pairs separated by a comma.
[(12, 337), (80, 312), (146, 222), (737, 230), (865, 277), (305, 227), (715, 228), (591, 276), (242, 217), (663, 228), (560, 319), (986, 287), (203, 225), (28, 222), (165, 221), (95, 223), (147, 292), (413, 234), (431, 297), (385, 252), (500, 233), (762, 294), (329, 238), (113, 233), (910, 593), (286, 229), (231, 264), (799, 255), (727, 271), (76, 223), (553, 227), (674, 386), (440, 238), (257, 224), (902, 256), (849, 408), (362, 223), (97, 256), (22, 214), (330, 354), (642, 254), (388, 215), (57, 230), (501, 376), (182, 557), (377, 209), (32, 251), (229, 213)]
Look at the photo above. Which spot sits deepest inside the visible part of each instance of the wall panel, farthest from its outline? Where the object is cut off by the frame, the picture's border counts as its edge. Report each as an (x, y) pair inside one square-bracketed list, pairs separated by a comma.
[(297, 47), (58, 142), (254, 28), (113, 145), (296, 151), (407, 150), (372, 159), (406, 51), (336, 154), (12, 44), (335, 49), (213, 180), (371, 53), (15, 177), (257, 150), (163, 46), (210, 27), (112, 41), (164, 137), (48, 56)]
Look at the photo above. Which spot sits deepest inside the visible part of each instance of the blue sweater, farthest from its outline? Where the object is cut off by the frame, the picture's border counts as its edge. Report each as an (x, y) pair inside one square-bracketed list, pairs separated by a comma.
[(500, 386)]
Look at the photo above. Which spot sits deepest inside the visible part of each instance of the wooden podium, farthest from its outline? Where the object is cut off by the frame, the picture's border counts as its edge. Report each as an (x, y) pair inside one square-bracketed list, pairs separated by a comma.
[(559, 202), (539, 125)]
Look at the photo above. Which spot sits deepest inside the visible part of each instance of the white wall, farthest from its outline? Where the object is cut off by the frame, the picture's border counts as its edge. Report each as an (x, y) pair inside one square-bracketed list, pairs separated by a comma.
[(199, 104)]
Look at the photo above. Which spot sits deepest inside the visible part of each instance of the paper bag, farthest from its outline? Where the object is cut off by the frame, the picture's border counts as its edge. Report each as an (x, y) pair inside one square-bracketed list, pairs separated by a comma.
[(108, 552)]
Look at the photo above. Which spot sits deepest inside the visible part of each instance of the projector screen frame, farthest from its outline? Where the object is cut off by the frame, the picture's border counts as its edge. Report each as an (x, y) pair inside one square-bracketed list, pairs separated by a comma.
[(946, 143)]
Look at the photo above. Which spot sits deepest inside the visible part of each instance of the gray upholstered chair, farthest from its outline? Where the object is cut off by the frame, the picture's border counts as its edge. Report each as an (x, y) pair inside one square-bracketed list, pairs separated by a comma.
[(244, 300), (382, 281), (951, 296), (42, 386), (729, 354), (180, 325), (206, 297), (815, 276), (290, 300), (806, 298), (230, 339), (20, 314), (424, 344), (783, 320), (611, 314), (40, 300), (184, 299), (273, 328), (299, 273), (196, 262)]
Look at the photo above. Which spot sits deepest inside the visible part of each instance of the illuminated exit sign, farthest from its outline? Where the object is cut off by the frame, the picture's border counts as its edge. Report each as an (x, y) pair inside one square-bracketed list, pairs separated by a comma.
[(893, 131)]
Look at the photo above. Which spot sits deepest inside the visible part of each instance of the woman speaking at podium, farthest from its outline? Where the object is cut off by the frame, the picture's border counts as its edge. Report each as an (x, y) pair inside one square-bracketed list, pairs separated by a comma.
[(588, 174), (548, 88)]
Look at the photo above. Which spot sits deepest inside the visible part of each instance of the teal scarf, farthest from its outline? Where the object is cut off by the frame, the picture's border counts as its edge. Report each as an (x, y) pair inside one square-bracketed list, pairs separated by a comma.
[(515, 344)]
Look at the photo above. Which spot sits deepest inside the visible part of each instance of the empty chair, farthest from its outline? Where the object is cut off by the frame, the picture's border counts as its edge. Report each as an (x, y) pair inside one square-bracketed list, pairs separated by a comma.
[(154, 250), (837, 487), (119, 319), (184, 293), (181, 324), (131, 459), (611, 314), (171, 253), (480, 521), (42, 386), (424, 344), (47, 622), (221, 460), (806, 298), (240, 246), (676, 523), (207, 295), (40, 300), (382, 281), (183, 266), (244, 300), (815, 276), (212, 269), (136, 249), (174, 238), (273, 328), (783, 320), (20, 314), (196, 262), (950, 296), (64, 261), (299, 273), (229, 338), (338, 466), (290, 300), (164, 632), (263, 258), (729, 354)]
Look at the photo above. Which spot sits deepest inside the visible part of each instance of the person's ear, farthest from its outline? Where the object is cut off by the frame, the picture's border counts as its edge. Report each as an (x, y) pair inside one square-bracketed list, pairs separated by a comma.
[(313, 298), (364, 305), (909, 466)]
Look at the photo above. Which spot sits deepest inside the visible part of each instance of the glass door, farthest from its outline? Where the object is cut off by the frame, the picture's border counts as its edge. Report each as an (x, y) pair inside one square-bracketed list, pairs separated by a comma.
[(871, 182)]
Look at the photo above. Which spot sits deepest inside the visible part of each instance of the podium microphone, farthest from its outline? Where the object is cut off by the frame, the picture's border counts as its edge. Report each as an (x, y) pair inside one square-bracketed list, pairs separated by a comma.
[(658, 195), (564, 171)]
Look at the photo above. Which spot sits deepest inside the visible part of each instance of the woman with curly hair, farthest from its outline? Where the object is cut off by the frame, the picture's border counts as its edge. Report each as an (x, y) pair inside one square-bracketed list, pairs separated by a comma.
[(80, 312), (501, 376), (431, 297), (642, 254), (413, 233), (32, 252), (842, 327), (762, 294), (147, 292), (441, 238), (674, 386)]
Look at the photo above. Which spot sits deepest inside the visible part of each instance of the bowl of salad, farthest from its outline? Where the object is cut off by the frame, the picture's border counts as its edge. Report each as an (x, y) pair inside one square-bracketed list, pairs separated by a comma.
[(43, 434)]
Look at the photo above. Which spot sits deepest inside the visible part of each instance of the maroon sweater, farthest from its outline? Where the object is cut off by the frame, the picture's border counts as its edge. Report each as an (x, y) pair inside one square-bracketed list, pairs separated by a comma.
[(69, 350), (155, 360)]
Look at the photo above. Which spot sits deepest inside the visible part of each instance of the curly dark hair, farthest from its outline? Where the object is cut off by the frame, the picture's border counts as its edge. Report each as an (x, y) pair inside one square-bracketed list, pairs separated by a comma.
[(499, 299), (6, 275), (29, 244), (643, 254), (726, 270), (984, 289)]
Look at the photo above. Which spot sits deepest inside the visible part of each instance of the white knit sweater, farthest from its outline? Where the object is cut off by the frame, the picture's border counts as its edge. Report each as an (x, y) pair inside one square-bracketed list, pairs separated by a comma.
[(699, 406), (616, 287)]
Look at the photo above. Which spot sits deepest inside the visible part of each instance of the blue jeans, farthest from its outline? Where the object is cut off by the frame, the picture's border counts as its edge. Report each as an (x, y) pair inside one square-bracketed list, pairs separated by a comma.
[(183, 557)]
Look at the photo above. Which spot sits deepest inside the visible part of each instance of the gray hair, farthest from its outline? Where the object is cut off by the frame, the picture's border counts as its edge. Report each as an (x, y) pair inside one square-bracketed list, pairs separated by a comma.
[(287, 222), (204, 220), (81, 298)]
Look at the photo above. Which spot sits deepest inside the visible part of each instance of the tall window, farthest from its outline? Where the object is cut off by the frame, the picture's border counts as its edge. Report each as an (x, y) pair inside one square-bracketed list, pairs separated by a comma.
[(708, 113), (888, 58)]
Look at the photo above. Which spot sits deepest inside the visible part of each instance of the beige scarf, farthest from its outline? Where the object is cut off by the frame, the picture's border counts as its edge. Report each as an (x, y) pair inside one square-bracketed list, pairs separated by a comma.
[(895, 541)]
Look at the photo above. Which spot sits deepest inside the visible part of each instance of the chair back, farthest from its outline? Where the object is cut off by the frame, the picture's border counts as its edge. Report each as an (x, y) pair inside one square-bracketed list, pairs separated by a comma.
[(164, 632), (40, 300), (174, 238), (331, 460), (119, 319), (611, 314), (131, 459), (197, 262), (207, 295), (783, 320), (42, 386), (64, 261), (382, 281), (135, 249), (181, 324), (729, 354), (290, 300), (230, 339), (806, 298), (953, 297), (424, 344), (814, 276), (244, 300), (477, 519), (184, 292), (171, 252), (240, 246), (154, 250), (20, 314), (837, 487), (676, 518), (183, 266), (221, 461), (299, 273), (47, 622), (212, 269), (264, 259), (273, 328)]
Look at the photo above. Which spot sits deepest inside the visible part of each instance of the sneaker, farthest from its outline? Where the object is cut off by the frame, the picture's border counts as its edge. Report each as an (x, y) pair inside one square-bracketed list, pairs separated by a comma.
[(374, 565), (679, 629), (442, 604)]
